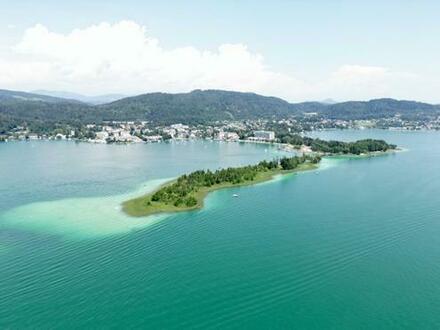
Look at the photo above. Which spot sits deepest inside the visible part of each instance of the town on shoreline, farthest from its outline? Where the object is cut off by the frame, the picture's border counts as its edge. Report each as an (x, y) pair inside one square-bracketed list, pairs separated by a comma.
[(213, 114), (255, 131), (283, 135)]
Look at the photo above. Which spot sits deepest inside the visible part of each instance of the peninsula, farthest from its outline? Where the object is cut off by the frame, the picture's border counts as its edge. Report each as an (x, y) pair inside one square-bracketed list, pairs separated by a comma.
[(189, 190)]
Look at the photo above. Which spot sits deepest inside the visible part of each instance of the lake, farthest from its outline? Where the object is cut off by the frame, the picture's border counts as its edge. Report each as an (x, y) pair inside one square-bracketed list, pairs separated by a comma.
[(352, 245)]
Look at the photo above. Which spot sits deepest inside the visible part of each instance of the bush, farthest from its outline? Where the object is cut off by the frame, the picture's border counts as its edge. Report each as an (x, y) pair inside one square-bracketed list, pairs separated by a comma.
[(190, 201)]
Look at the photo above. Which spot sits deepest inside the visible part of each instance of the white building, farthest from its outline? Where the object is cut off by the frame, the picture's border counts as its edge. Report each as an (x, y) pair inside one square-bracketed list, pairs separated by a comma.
[(179, 127), (264, 135), (227, 136), (101, 135), (33, 136), (153, 138)]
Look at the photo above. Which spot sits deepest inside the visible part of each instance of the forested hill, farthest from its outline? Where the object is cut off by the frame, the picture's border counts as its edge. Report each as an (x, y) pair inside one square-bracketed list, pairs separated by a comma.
[(379, 108), (197, 106), (18, 108), (212, 105), (39, 112)]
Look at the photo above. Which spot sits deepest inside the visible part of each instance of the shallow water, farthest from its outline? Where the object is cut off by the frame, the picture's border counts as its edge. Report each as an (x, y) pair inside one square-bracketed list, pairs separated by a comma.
[(353, 245), (80, 217), (78, 191)]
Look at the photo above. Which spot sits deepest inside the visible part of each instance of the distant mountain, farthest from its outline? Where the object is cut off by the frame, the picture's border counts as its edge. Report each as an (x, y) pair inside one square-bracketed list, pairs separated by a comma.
[(95, 100), (199, 106), (328, 101), (212, 105), (16, 96)]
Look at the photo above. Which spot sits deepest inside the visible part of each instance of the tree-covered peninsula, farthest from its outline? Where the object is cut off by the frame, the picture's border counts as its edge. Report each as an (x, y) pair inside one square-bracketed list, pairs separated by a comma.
[(188, 191), (365, 146)]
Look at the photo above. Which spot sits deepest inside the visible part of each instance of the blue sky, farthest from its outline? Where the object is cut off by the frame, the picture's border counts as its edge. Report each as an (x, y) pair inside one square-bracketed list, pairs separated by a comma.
[(299, 50)]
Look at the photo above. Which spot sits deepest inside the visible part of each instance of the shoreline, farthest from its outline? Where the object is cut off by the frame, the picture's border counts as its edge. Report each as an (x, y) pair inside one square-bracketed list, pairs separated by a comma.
[(367, 155), (9, 138)]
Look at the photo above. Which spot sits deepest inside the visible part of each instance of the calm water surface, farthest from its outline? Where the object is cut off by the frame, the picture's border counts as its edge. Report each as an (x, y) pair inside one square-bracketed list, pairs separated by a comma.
[(353, 245)]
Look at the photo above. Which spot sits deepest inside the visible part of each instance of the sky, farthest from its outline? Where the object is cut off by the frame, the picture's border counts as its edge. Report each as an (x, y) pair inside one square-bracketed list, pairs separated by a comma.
[(296, 50)]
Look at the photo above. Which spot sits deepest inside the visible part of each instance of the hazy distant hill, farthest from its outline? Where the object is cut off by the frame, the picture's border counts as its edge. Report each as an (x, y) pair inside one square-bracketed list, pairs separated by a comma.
[(328, 101), (99, 99), (16, 96), (199, 106)]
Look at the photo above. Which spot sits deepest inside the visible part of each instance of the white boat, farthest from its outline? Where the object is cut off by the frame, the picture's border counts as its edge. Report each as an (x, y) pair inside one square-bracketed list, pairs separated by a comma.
[(234, 195)]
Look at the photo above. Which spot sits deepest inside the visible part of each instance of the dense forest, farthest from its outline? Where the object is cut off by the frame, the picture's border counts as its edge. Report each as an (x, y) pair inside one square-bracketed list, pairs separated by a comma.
[(211, 105), (41, 113), (337, 147), (197, 107), (181, 192), (380, 108)]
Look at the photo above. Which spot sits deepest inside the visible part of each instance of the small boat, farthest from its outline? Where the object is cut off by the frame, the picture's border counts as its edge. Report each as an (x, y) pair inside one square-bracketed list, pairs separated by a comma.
[(234, 195)]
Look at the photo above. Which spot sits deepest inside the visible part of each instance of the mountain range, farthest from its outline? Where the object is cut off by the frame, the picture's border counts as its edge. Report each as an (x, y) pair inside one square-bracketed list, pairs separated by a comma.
[(198, 106)]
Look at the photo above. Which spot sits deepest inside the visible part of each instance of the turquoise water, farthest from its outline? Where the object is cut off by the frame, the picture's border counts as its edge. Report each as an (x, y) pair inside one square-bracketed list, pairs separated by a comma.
[(353, 245)]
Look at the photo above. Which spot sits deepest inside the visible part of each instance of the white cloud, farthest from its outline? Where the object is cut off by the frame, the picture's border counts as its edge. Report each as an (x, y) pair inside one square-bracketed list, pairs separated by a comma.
[(364, 82), (122, 57)]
